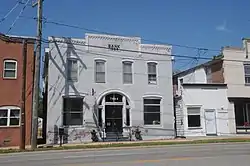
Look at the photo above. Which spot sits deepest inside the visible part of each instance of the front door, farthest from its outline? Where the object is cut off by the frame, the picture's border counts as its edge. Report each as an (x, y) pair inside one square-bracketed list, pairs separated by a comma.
[(113, 118), (210, 120)]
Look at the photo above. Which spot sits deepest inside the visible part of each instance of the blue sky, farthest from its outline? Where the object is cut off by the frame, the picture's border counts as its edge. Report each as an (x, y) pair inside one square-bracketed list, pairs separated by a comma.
[(200, 23)]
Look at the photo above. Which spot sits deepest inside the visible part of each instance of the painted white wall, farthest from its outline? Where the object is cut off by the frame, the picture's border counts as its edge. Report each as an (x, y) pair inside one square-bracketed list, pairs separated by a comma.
[(195, 76), (207, 98), (234, 72), (79, 49)]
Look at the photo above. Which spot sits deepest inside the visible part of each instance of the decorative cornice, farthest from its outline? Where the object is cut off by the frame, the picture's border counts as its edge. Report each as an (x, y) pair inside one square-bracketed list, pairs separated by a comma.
[(156, 48), (67, 40), (135, 40)]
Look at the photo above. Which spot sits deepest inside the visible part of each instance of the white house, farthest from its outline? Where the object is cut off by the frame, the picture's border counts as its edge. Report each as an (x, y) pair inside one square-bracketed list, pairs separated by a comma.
[(110, 84), (201, 106)]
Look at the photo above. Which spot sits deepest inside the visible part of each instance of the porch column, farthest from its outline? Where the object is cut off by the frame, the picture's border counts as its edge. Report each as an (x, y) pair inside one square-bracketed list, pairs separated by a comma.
[(124, 117), (103, 117)]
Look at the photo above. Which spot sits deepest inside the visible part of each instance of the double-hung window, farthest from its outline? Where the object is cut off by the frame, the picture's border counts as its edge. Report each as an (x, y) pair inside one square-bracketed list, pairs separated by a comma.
[(152, 111), (152, 74), (72, 111), (247, 73), (10, 69), (127, 72), (194, 117), (100, 71), (72, 70)]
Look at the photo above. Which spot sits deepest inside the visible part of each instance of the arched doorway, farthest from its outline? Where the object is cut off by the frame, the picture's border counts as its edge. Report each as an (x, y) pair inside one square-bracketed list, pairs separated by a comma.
[(114, 112)]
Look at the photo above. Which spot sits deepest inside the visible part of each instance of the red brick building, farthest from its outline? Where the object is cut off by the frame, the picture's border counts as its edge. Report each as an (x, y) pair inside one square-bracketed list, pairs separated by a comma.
[(11, 71)]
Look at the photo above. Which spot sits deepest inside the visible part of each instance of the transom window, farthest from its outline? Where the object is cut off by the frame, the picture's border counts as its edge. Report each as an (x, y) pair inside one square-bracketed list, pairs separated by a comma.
[(72, 70), (152, 111), (152, 74), (127, 72), (247, 73), (72, 111), (100, 71), (113, 97), (10, 69), (194, 116), (9, 116)]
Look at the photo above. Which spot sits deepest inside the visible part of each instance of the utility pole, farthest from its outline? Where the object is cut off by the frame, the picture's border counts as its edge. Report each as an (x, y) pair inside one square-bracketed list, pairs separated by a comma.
[(36, 87), (23, 120)]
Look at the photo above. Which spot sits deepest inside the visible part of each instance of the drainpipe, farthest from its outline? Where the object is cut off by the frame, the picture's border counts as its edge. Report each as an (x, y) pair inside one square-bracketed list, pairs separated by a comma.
[(175, 125)]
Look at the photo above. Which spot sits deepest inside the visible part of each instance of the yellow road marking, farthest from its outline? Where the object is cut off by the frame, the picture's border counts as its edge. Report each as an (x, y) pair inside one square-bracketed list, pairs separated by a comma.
[(146, 161), (180, 158)]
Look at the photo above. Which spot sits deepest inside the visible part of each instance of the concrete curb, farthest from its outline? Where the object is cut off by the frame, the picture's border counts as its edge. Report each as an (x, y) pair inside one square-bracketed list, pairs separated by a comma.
[(177, 141)]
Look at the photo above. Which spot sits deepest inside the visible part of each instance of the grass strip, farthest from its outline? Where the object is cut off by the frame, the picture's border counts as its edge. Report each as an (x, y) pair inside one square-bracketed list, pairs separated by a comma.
[(130, 144)]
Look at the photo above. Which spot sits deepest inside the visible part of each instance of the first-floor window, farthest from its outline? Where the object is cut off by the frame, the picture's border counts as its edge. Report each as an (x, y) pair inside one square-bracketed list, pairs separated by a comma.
[(9, 116), (72, 111), (152, 111), (194, 116)]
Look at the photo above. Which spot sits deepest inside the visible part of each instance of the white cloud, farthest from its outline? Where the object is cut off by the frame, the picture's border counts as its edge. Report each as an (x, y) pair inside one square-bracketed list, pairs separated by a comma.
[(223, 27)]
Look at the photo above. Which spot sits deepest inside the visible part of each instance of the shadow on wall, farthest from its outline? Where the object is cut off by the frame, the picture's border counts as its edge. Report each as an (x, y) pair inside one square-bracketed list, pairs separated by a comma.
[(62, 73), (53, 136), (70, 52)]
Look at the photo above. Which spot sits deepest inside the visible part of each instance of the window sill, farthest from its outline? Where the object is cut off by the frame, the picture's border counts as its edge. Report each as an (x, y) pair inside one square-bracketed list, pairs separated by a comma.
[(1, 127), (152, 85), (128, 84), (6, 78), (247, 84), (153, 126), (73, 126), (194, 128)]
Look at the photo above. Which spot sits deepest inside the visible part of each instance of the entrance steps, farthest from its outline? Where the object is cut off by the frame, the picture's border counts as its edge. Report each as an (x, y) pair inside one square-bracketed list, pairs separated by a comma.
[(114, 136)]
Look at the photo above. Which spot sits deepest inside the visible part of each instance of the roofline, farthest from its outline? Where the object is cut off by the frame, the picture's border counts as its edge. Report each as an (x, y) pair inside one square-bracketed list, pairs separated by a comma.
[(232, 48), (198, 66), (204, 85), (17, 39)]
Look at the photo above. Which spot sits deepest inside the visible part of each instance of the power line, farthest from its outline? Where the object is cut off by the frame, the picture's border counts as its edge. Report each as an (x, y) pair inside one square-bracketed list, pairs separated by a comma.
[(21, 12), (45, 20), (149, 40), (137, 51), (23, 3), (108, 33), (11, 10), (125, 50)]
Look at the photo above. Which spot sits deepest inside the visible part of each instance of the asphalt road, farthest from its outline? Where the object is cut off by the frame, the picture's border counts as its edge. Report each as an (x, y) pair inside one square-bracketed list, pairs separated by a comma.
[(188, 155)]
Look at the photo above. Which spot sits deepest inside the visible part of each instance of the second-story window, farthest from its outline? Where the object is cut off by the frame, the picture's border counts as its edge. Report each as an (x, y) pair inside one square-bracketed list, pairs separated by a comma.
[(152, 74), (247, 73), (100, 71), (10, 69), (72, 70), (127, 73)]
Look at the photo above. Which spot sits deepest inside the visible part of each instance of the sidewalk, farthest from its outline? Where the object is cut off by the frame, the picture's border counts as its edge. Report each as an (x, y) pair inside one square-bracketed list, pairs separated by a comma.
[(189, 139)]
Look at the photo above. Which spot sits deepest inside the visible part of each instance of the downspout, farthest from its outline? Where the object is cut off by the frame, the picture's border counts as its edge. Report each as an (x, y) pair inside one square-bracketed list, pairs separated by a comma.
[(175, 125)]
